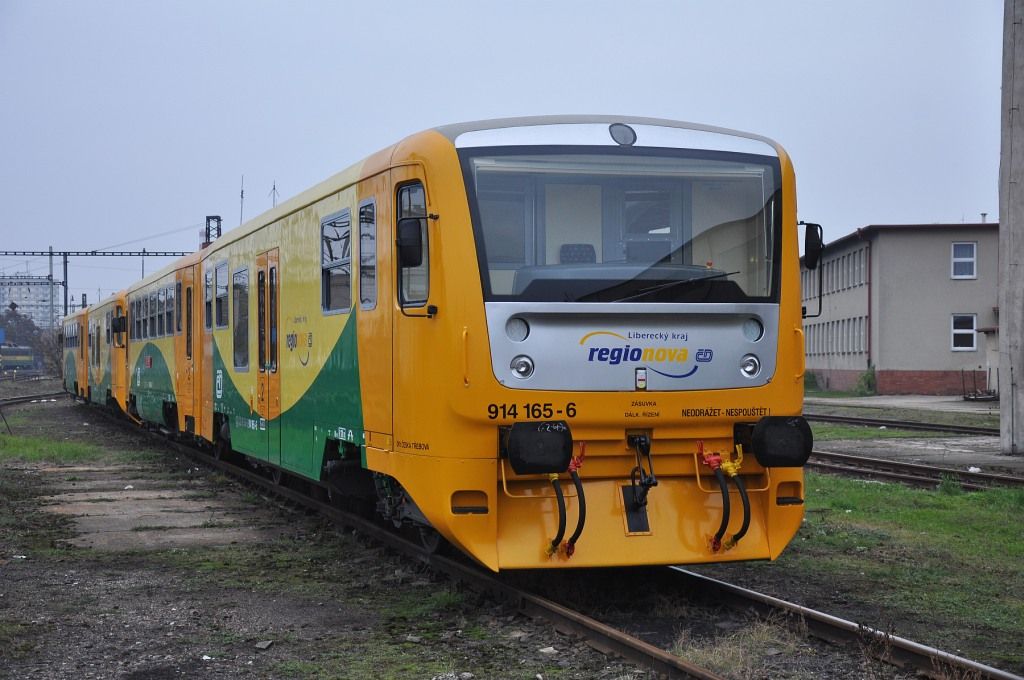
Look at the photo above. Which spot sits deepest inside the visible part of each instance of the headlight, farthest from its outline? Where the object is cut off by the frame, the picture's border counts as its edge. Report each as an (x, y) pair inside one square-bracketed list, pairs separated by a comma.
[(522, 366), (517, 329)]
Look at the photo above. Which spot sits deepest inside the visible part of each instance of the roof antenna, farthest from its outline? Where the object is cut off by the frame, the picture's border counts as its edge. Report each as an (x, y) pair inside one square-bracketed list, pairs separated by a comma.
[(241, 201), (273, 193)]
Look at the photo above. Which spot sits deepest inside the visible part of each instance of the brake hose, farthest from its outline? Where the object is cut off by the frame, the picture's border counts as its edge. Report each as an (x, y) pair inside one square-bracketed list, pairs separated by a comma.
[(553, 548)]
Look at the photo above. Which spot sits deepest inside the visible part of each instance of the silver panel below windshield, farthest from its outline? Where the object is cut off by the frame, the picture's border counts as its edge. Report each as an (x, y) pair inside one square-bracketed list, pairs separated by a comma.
[(612, 346)]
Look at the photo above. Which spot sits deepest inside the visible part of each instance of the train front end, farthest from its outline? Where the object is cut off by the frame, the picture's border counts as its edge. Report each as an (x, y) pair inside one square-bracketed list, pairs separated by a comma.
[(634, 394)]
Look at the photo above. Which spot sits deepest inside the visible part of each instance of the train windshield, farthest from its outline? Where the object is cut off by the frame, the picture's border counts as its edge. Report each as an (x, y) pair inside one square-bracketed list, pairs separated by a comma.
[(571, 224)]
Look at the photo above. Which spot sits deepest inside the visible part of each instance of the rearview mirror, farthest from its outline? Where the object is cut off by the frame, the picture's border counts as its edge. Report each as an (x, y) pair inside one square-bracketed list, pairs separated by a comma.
[(813, 244), (410, 241)]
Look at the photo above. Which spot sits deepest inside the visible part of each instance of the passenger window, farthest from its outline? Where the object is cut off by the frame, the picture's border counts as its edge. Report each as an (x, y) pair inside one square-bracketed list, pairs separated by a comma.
[(221, 302), (336, 262), (414, 282), (273, 319), (368, 255), (154, 310), (240, 329), (209, 300), (161, 305), (169, 316), (177, 308), (188, 322)]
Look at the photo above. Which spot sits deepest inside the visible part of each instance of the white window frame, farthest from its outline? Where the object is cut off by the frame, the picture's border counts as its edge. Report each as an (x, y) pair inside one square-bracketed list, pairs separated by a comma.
[(953, 332), (973, 259)]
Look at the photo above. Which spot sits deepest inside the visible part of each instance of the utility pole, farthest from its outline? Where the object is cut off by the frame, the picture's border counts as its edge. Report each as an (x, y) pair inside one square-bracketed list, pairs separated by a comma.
[(273, 194), (51, 288), (241, 201), (1011, 234)]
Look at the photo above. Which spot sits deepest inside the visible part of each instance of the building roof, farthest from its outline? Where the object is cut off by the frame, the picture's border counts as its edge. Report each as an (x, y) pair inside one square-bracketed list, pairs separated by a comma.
[(865, 233)]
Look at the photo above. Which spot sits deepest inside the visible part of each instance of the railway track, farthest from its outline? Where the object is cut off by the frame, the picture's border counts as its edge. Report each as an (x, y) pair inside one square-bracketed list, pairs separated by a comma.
[(904, 425), (10, 401), (905, 654), (914, 474)]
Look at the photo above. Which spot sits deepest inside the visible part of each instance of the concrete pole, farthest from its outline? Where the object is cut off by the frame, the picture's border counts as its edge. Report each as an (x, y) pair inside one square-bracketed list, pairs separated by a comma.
[(1011, 234)]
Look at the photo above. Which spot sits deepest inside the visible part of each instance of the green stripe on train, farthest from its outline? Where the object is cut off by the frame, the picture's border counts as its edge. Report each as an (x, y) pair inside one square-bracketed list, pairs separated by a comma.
[(330, 409)]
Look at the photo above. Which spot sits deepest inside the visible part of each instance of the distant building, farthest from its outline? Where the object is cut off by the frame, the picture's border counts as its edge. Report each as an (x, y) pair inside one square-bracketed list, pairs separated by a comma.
[(31, 294), (916, 302)]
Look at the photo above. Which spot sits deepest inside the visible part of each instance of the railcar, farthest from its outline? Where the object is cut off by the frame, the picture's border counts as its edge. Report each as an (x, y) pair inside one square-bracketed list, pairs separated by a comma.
[(75, 345), (107, 348), (554, 342), (16, 357)]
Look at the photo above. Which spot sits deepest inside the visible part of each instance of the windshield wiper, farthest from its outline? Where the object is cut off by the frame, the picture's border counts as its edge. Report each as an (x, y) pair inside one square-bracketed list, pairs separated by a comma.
[(672, 284)]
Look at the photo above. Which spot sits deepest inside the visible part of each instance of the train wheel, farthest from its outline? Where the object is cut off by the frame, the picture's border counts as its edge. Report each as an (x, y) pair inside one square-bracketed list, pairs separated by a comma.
[(222, 450), (430, 539)]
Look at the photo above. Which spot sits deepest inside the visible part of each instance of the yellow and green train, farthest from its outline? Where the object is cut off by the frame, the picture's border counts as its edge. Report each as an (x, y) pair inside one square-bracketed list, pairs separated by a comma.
[(555, 342)]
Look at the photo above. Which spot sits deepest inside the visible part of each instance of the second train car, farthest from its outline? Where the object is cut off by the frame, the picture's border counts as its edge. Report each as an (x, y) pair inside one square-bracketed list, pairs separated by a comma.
[(556, 342)]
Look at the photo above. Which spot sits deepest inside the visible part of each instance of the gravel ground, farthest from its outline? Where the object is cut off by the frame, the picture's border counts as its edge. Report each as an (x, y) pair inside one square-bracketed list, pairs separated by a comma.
[(309, 603)]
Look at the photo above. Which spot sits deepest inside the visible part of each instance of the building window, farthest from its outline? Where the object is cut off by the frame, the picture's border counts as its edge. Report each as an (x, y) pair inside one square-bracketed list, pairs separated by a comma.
[(221, 302), (240, 327), (964, 336), (336, 262), (367, 256), (964, 265)]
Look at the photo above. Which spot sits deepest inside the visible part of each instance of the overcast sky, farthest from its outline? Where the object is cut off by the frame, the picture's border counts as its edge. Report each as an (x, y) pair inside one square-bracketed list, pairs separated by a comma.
[(120, 121)]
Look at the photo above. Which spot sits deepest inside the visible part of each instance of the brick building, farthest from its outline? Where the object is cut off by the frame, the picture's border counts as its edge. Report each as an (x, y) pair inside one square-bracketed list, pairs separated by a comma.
[(915, 302)]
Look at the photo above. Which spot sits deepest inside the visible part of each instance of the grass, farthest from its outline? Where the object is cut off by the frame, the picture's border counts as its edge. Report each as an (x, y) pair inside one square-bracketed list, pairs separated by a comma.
[(41, 449), (824, 432), (921, 556), (15, 640), (740, 654), (32, 449), (978, 419)]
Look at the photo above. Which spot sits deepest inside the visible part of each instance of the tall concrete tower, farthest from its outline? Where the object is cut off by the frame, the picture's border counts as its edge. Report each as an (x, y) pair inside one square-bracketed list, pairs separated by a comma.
[(1011, 234)]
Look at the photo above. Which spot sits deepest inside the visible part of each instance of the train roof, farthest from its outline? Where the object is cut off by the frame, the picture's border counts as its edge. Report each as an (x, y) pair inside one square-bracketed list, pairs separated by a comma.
[(455, 130), (381, 160)]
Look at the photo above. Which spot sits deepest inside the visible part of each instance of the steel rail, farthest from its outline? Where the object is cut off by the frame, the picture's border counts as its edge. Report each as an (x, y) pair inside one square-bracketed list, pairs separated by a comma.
[(9, 401), (904, 424), (886, 647), (911, 473)]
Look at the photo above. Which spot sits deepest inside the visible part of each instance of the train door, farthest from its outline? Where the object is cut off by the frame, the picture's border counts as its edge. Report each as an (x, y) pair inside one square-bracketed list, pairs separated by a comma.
[(184, 348), (374, 314), (118, 354), (268, 389), (416, 347)]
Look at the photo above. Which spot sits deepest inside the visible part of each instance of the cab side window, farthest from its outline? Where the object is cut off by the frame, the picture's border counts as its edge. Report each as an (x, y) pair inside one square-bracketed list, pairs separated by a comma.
[(414, 282)]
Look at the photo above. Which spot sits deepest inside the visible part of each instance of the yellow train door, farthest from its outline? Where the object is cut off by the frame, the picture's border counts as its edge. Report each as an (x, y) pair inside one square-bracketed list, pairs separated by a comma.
[(417, 343), (268, 388), (184, 349), (374, 315), (118, 355)]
